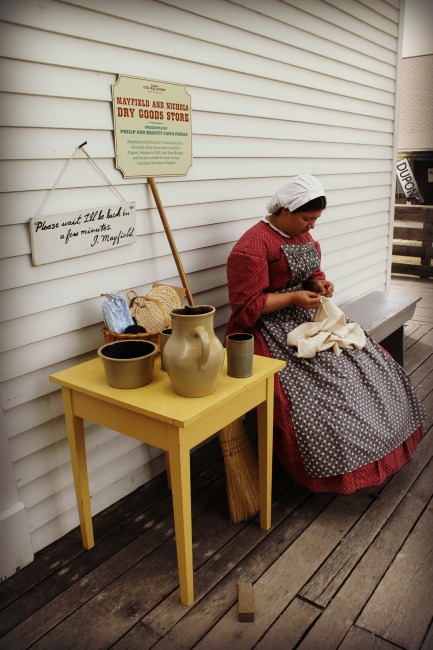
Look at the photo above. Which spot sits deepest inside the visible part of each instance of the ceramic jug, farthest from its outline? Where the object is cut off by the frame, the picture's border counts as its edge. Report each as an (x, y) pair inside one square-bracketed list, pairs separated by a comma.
[(193, 355)]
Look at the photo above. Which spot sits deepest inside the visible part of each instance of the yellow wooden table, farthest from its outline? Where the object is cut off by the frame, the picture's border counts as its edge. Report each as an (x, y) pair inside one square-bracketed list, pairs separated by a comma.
[(156, 415)]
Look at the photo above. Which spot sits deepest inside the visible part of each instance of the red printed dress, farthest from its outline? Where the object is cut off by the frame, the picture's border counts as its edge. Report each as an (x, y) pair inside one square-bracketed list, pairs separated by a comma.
[(343, 422)]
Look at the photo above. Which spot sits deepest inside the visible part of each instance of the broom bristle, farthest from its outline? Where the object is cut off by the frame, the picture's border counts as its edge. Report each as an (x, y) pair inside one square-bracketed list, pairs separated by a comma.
[(242, 472)]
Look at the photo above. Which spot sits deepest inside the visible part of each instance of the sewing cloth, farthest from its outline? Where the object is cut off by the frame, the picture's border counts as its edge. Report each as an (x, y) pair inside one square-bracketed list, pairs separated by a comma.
[(297, 192), (328, 330)]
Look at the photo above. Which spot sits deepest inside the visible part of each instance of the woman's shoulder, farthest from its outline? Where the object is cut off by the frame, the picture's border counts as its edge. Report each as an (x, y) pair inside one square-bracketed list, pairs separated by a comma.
[(258, 238)]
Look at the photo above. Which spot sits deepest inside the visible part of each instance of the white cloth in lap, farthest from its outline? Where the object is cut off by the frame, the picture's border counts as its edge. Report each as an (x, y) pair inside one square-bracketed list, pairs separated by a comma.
[(329, 329)]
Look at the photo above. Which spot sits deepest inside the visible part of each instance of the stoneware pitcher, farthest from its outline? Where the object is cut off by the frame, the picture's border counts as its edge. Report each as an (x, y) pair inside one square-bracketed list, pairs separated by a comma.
[(193, 354)]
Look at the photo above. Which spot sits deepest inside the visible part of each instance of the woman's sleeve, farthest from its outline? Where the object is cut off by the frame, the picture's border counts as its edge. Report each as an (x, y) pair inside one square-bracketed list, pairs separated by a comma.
[(248, 282)]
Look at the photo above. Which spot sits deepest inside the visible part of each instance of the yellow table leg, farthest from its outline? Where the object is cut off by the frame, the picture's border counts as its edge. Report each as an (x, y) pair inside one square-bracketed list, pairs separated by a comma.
[(180, 472), (77, 448), (265, 424)]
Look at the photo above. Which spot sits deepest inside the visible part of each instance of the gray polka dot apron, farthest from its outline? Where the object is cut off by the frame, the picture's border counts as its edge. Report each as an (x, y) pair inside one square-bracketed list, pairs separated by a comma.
[(349, 410)]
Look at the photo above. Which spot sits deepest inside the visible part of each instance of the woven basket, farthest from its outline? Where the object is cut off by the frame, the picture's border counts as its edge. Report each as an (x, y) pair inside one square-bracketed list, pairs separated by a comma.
[(110, 336), (153, 336)]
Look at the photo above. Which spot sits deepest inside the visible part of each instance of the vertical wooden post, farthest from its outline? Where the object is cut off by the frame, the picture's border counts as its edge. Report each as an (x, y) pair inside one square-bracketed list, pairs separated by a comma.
[(170, 240), (426, 245)]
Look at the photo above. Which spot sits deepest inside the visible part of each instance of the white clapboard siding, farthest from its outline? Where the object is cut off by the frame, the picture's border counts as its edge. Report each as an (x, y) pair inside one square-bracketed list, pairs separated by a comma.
[(277, 88), (135, 470), (98, 115), (355, 173)]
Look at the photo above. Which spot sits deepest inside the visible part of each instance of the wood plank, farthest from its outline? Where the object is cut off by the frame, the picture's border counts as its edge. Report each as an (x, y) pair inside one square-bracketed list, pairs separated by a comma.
[(428, 640), (346, 606), (245, 602), (413, 234), (119, 591), (143, 507), (422, 378), (290, 627), (280, 583), (417, 270), (248, 555), (419, 213), (415, 332), (358, 638), (324, 585), (38, 611), (405, 619), (417, 354)]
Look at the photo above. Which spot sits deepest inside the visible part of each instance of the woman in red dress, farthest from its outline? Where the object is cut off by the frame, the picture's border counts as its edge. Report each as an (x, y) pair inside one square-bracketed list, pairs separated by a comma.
[(342, 422)]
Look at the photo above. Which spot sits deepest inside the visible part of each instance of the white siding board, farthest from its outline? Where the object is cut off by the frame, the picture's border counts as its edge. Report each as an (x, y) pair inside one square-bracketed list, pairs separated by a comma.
[(81, 171), (68, 519), (32, 414), (34, 384), (18, 109), (28, 78), (239, 78), (24, 444), (18, 271), (366, 17), (102, 446), (277, 88), (362, 250), (354, 18), (389, 8), (25, 359), (135, 36), (354, 236), (44, 510), (18, 207), (220, 191), (284, 22), (244, 126), (368, 277), (43, 143), (51, 112)]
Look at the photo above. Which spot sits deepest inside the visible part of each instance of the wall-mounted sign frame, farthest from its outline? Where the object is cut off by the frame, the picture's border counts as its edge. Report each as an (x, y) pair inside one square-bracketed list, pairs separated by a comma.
[(152, 127), (72, 234)]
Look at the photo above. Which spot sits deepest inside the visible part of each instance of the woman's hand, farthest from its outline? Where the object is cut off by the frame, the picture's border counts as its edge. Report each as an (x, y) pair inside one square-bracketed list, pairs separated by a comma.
[(323, 287), (306, 299)]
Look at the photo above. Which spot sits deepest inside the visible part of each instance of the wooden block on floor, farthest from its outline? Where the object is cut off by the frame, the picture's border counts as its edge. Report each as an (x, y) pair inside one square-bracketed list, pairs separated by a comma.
[(246, 602)]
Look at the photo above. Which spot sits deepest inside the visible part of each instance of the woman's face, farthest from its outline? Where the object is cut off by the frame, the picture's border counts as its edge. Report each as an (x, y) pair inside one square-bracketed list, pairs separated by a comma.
[(299, 223)]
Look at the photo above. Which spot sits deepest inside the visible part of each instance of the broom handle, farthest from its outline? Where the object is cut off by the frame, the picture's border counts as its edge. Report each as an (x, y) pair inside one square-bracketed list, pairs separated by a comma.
[(171, 241)]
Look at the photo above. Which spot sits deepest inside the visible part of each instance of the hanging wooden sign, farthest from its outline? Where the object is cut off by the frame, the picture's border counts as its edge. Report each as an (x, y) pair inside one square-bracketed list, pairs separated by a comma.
[(72, 234), (152, 127)]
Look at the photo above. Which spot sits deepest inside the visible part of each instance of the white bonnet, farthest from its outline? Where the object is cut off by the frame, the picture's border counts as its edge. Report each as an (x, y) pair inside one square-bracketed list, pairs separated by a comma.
[(297, 192)]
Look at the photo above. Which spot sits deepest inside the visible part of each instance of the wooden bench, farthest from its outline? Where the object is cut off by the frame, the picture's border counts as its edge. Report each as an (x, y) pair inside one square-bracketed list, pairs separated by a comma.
[(383, 315)]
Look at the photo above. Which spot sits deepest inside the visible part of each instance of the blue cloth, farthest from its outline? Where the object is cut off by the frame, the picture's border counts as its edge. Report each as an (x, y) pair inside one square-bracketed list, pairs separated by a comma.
[(115, 311)]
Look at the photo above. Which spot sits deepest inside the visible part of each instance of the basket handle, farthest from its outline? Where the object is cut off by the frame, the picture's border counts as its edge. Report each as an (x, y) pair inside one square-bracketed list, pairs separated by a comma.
[(133, 297), (163, 309)]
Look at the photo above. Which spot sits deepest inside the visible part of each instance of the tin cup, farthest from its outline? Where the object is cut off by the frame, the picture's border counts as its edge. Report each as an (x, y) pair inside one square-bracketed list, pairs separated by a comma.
[(164, 336), (240, 355)]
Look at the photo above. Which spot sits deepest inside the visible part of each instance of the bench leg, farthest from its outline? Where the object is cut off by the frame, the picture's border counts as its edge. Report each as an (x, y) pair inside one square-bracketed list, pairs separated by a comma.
[(394, 345)]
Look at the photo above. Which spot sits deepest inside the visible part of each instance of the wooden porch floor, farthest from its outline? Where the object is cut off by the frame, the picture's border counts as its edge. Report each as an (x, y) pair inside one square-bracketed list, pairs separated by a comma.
[(333, 572)]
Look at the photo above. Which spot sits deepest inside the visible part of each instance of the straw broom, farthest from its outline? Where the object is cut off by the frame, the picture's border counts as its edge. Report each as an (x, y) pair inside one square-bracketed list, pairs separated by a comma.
[(242, 472)]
